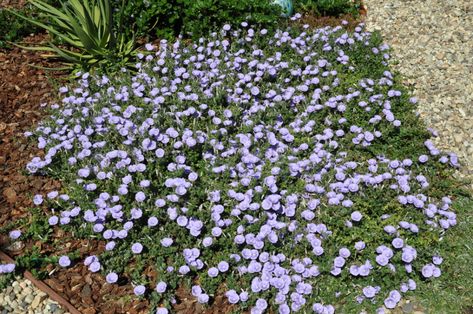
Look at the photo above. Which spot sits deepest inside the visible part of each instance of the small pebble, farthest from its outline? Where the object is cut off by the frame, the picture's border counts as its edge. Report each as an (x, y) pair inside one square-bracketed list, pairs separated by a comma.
[(22, 297)]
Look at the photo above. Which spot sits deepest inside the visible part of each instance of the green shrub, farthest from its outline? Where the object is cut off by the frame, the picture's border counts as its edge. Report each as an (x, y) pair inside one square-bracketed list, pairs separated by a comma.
[(157, 18), (328, 7), (204, 15), (168, 18), (12, 28)]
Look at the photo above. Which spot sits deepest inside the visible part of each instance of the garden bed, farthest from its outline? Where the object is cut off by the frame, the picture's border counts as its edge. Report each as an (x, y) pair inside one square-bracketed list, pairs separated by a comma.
[(88, 292), (24, 91)]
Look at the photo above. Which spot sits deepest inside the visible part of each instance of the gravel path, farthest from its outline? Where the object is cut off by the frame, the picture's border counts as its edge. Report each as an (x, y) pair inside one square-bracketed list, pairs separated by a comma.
[(432, 42), (23, 298)]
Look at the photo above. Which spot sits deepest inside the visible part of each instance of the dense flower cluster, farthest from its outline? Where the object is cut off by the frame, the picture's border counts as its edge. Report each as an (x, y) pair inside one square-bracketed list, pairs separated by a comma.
[(251, 156)]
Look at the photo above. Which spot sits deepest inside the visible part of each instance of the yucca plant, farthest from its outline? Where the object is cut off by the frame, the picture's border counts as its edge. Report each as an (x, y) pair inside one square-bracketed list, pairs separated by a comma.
[(87, 29)]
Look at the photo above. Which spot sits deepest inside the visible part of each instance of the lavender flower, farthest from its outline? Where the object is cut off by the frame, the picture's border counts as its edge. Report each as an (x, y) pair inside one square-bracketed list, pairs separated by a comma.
[(64, 261), (137, 248), (139, 290), (15, 234), (161, 287), (111, 278), (356, 216)]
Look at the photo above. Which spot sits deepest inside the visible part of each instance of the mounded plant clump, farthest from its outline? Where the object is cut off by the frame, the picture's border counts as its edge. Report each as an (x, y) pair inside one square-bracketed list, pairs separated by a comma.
[(286, 170)]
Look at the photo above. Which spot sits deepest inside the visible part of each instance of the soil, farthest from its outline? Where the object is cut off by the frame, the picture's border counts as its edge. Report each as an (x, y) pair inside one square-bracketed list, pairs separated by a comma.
[(23, 88)]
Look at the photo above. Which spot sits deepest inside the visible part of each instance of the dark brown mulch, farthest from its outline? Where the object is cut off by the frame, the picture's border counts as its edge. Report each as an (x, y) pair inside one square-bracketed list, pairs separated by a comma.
[(22, 90)]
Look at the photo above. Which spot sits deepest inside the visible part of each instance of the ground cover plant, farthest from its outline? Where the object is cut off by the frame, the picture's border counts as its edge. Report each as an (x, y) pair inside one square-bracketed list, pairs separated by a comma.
[(285, 170)]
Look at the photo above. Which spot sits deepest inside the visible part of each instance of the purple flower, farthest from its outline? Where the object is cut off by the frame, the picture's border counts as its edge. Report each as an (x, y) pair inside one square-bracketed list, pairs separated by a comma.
[(360, 245), (166, 242), (184, 269), (64, 261), (339, 262), (140, 197), (7, 268), (152, 221), (437, 260), (94, 266), (428, 270), (390, 229), (344, 252), (38, 199), (398, 243), (423, 158), (139, 290), (137, 248), (15, 234), (232, 296), (53, 194), (196, 290), (213, 272), (110, 246), (254, 90), (356, 216), (336, 271), (382, 260), (162, 310), (207, 241), (390, 303), (369, 292), (111, 278), (161, 287), (408, 254), (411, 284), (261, 304), (83, 173), (223, 266)]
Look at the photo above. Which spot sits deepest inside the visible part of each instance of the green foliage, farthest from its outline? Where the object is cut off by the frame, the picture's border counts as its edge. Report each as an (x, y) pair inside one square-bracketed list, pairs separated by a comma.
[(12, 28), (158, 18), (39, 229), (34, 261), (88, 30), (168, 18), (6, 280), (328, 7), (204, 15)]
